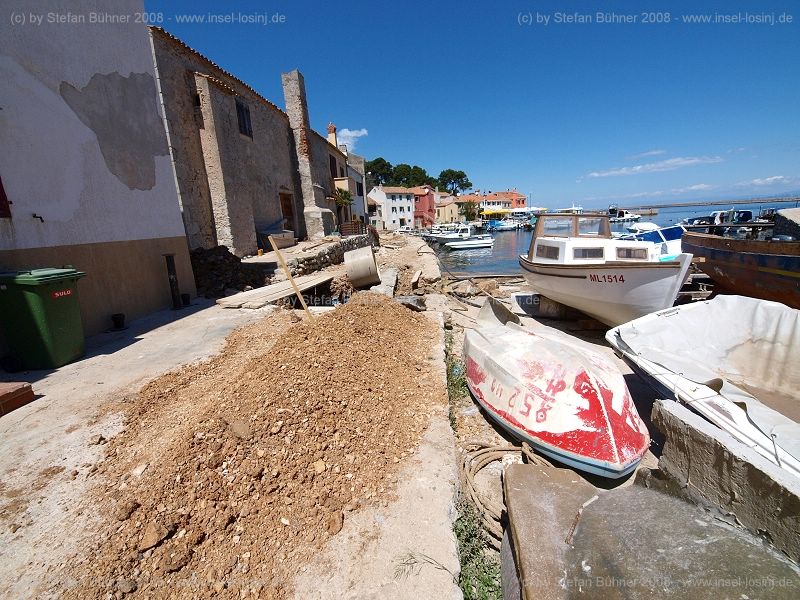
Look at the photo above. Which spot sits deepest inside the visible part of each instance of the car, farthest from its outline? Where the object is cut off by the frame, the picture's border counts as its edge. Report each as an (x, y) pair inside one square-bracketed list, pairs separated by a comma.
[(405, 229)]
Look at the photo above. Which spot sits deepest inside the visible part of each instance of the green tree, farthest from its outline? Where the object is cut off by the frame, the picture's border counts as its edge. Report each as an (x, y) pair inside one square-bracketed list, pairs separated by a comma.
[(468, 210), (342, 197), (454, 181), (379, 172)]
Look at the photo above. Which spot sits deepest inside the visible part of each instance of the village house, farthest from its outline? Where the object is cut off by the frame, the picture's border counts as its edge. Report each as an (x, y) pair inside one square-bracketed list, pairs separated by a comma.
[(424, 206), (353, 181), (396, 205), (447, 211), (244, 167), (85, 167)]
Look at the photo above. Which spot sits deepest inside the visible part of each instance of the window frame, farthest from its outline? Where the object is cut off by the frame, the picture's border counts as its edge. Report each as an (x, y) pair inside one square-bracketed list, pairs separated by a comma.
[(243, 118)]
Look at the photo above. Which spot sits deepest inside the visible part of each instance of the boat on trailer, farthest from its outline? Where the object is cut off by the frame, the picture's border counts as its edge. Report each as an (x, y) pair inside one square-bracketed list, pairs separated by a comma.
[(476, 241), (733, 360), (613, 280), (555, 392)]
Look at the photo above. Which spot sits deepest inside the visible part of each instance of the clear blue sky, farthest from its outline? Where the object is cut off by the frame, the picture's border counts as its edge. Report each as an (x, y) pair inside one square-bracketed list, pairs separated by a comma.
[(584, 112)]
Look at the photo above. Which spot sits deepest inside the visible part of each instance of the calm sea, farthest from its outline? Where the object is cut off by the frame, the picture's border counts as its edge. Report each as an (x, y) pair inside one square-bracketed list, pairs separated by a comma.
[(508, 245)]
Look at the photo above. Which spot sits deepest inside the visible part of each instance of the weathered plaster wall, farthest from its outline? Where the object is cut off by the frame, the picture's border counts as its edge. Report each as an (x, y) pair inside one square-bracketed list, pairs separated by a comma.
[(230, 184), (84, 148)]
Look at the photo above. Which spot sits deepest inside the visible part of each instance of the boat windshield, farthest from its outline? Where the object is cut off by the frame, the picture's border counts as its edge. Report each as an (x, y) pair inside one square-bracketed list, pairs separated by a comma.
[(570, 225)]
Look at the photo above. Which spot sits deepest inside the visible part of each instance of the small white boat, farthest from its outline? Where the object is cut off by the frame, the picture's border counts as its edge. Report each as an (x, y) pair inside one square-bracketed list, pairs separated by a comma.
[(476, 241), (623, 216), (610, 279), (557, 393), (732, 359), (505, 225), (461, 232)]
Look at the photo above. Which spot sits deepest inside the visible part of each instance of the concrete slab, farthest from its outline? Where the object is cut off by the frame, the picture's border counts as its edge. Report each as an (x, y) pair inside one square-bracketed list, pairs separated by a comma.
[(711, 467), (542, 504)]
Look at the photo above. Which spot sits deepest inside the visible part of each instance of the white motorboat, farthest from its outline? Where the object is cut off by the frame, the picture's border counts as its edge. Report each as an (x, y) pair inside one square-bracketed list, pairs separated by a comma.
[(569, 401), (505, 225), (732, 359), (461, 232), (623, 216), (476, 241), (610, 279)]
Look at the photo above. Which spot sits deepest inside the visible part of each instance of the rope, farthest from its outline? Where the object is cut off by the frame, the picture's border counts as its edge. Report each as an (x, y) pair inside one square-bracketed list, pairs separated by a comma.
[(472, 462)]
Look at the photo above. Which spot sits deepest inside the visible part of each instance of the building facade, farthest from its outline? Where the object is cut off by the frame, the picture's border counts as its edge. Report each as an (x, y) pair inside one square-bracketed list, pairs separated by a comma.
[(396, 205), (85, 163), (447, 211), (424, 206), (244, 167)]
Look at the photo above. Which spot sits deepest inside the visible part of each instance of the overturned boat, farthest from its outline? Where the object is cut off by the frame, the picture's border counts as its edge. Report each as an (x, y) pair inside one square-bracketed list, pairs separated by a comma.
[(733, 360), (557, 393)]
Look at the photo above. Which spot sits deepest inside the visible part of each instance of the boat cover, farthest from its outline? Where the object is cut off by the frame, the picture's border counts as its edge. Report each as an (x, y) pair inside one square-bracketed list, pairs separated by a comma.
[(738, 349)]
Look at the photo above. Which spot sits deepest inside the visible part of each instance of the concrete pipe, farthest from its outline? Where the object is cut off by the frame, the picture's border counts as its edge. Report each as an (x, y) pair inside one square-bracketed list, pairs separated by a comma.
[(361, 267)]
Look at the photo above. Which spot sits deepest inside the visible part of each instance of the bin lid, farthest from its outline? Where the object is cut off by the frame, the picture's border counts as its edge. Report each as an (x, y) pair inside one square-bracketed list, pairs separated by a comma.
[(40, 276)]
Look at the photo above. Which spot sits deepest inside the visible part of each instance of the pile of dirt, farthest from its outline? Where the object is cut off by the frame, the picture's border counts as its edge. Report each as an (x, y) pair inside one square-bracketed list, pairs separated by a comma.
[(232, 472), (217, 269)]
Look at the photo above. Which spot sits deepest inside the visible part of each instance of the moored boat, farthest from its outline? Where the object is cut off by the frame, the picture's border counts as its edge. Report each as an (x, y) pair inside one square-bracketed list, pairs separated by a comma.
[(612, 280), (476, 241), (731, 359), (566, 399), (461, 232), (766, 269)]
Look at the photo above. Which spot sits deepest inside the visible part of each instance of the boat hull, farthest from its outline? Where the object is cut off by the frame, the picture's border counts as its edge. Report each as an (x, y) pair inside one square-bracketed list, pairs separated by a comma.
[(571, 405), (755, 268), (613, 292)]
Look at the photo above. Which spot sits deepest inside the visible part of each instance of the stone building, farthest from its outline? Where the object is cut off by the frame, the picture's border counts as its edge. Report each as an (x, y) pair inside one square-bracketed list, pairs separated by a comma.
[(244, 167), (84, 164)]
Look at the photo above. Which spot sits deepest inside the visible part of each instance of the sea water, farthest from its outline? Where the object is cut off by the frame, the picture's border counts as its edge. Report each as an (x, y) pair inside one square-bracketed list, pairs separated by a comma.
[(503, 259)]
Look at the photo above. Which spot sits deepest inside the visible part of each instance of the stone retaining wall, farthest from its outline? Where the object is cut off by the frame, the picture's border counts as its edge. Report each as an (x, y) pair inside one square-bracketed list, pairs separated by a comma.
[(331, 254)]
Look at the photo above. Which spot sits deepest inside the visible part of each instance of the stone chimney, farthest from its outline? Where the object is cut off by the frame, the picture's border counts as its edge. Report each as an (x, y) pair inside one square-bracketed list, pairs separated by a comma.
[(318, 219), (332, 135)]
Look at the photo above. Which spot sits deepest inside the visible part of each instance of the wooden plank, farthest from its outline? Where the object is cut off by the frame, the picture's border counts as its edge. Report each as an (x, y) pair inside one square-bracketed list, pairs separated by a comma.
[(275, 291), (289, 275)]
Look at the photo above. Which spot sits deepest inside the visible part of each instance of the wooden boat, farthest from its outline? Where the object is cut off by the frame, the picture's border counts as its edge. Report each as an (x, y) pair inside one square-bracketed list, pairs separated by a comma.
[(476, 241), (612, 280), (732, 359), (555, 392), (769, 270)]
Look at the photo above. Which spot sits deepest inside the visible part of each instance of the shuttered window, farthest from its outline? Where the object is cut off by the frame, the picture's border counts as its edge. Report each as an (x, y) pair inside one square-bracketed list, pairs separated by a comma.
[(5, 209)]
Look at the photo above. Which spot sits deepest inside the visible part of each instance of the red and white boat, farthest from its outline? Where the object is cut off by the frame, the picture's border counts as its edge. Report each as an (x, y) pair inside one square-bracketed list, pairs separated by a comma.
[(560, 395)]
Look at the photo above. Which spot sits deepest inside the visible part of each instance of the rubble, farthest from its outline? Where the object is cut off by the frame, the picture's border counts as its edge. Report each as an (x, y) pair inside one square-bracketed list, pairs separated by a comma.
[(219, 273), (255, 455)]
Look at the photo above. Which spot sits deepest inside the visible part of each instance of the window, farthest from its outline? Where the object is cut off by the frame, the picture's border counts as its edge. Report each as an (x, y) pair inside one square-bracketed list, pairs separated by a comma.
[(632, 253), (5, 208), (394, 209), (393, 198), (332, 165), (402, 209), (547, 251), (341, 171), (359, 188), (587, 253), (196, 99), (243, 115)]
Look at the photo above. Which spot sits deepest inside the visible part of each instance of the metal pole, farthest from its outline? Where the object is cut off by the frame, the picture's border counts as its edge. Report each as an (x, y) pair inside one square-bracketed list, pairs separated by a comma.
[(172, 275)]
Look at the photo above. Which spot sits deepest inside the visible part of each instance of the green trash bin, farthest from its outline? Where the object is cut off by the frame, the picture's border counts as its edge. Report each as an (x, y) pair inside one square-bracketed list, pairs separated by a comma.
[(40, 317)]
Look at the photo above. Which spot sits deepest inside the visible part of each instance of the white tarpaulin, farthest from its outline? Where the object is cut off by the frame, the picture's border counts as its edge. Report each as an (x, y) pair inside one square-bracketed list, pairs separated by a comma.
[(744, 349)]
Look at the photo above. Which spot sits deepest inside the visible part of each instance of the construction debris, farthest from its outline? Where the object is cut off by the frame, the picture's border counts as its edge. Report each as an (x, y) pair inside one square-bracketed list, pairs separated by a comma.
[(272, 293), (253, 459)]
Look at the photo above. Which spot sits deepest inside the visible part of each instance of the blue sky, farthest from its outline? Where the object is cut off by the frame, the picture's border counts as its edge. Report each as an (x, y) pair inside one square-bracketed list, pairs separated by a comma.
[(585, 112)]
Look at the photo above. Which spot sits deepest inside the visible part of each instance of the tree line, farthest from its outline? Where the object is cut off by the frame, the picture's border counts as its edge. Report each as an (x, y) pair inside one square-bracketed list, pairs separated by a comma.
[(382, 172)]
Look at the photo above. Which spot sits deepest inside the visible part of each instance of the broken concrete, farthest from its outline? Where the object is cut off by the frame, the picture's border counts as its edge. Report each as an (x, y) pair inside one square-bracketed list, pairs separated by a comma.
[(710, 466), (388, 283)]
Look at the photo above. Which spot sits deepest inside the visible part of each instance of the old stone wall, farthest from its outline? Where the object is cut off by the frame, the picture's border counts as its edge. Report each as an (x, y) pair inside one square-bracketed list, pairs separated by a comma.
[(230, 183), (331, 254)]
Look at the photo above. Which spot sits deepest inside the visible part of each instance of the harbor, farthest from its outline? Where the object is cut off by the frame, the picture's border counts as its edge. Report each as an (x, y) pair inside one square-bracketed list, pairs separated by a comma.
[(271, 330)]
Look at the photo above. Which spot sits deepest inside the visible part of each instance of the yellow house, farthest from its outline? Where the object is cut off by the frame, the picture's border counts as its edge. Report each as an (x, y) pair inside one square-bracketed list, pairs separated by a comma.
[(447, 212)]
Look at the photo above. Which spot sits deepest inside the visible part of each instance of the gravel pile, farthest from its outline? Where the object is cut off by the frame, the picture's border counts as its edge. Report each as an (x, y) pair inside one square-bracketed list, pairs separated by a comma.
[(232, 472)]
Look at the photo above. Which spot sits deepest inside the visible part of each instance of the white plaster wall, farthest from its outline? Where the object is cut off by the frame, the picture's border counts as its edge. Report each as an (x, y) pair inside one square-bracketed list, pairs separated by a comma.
[(51, 162)]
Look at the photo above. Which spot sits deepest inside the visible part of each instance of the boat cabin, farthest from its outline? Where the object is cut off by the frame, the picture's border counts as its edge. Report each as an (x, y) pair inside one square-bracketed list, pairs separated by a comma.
[(569, 238)]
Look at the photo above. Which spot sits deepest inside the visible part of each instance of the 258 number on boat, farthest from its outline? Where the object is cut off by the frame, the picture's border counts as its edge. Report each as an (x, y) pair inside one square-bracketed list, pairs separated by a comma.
[(606, 278)]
